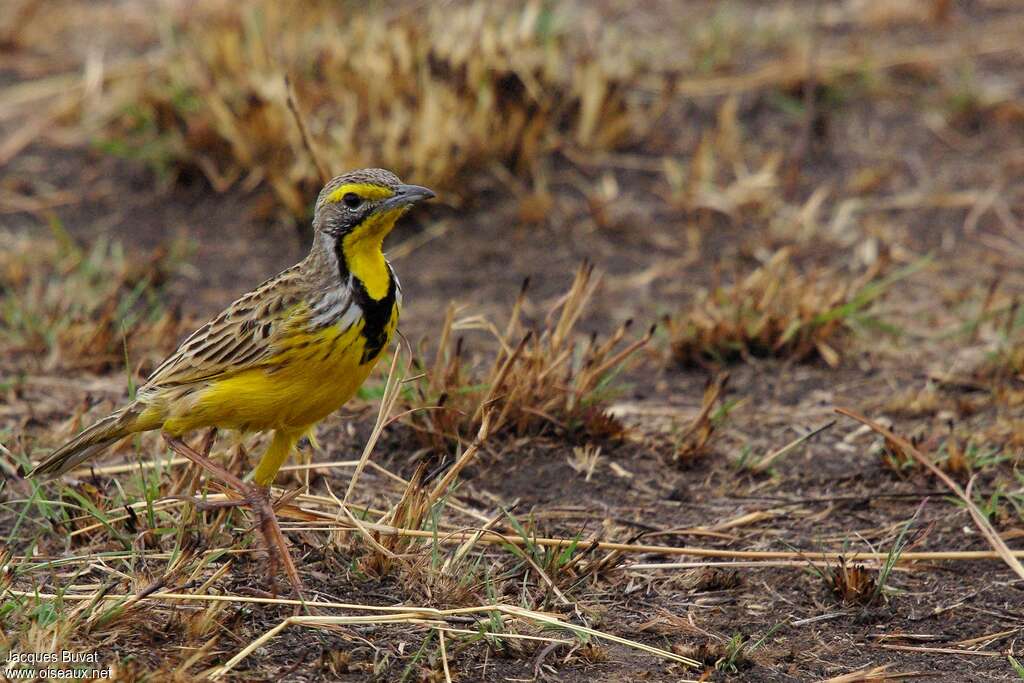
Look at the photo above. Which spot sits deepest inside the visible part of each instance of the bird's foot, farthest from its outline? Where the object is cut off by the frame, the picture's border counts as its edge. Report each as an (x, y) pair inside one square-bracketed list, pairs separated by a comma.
[(258, 498), (255, 497)]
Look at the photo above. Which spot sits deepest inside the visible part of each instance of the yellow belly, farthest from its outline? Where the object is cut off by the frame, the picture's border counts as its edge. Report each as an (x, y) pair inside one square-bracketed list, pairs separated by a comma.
[(311, 378)]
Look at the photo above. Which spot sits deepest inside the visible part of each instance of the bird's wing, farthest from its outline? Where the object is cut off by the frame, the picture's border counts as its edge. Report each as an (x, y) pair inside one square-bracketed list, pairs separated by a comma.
[(246, 334)]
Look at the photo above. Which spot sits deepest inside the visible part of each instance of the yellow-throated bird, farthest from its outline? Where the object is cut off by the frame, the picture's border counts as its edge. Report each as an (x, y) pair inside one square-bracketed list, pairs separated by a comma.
[(282, 357)]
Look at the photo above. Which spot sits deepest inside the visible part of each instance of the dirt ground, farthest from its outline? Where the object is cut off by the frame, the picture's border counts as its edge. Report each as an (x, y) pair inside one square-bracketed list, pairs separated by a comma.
[(914, 162)]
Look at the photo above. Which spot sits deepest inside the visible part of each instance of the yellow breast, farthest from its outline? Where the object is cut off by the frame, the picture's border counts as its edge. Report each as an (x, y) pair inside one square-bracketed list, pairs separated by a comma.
[(313, 375)]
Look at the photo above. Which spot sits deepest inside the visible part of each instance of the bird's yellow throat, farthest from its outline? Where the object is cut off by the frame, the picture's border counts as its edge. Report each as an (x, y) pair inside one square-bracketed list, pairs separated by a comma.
[(364, 255)]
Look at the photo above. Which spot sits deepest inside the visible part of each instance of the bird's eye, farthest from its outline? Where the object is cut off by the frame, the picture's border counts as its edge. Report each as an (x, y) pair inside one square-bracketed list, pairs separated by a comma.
[(352, 200)]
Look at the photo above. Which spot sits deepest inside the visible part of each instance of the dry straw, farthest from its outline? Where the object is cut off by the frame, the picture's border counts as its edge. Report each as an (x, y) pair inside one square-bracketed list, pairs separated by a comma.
[(540, 380), (433, 92), (991, 535)]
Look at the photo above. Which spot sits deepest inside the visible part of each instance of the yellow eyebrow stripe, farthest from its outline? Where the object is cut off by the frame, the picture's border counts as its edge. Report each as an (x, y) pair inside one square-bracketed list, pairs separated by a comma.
[(364, 190)]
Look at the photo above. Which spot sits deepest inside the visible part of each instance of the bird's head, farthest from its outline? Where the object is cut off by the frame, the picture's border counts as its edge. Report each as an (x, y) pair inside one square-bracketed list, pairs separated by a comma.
[(362, 206)]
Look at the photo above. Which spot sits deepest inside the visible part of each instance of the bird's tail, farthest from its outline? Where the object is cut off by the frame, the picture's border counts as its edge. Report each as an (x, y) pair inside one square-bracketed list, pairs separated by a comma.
[(91, 441)]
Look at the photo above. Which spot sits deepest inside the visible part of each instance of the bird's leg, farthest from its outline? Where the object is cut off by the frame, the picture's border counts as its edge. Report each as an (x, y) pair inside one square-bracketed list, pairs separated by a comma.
[(206, 505), (208, 440), (203, 460), (256, 497)]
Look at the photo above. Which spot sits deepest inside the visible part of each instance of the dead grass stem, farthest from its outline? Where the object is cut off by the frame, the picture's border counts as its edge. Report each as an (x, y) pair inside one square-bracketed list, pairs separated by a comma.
[(777, 311), (539, 380), (989, 533), (83, 310), (432, 92)]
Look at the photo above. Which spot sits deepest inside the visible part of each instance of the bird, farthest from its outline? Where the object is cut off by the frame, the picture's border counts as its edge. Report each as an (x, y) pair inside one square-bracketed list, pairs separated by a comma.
[(280, 358)]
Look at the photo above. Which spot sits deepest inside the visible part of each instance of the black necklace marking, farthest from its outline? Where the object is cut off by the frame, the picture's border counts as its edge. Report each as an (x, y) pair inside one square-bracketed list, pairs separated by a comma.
[(376, 316), (376, 312), (339, 257)]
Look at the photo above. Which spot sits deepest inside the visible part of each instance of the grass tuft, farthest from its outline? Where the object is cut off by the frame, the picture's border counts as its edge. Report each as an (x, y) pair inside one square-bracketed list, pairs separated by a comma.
[(542, 380), (695, 441), (851, 583), (78, 309), (778, 311), (433, 92)]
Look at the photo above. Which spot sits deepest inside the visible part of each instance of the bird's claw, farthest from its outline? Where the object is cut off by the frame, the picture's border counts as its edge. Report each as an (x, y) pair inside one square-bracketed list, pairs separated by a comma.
[(255, 497)]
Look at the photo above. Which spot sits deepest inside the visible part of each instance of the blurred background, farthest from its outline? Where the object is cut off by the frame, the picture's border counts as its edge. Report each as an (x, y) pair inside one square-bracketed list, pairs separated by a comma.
[(678, 146), (666, 133), (820, 198)]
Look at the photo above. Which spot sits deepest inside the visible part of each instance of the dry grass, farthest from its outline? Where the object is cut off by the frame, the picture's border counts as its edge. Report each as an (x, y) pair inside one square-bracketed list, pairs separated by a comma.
[(436, 93), (381, 555), (695, 441), (546, 379), (778, 310), (955, 453), (852, 584), (67, 308), (998, 330), (1005, 366)]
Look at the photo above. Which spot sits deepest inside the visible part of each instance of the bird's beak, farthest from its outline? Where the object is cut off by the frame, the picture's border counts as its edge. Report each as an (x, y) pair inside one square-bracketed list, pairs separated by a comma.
[(407, 195)]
